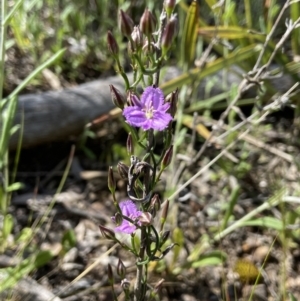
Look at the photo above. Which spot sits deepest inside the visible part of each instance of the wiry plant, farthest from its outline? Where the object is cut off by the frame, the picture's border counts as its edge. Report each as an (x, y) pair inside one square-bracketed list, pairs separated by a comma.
[(148, 48)]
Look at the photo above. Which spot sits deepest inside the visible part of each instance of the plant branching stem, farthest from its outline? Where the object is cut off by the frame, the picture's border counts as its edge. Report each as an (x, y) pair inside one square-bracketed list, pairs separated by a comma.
[(138, 286)]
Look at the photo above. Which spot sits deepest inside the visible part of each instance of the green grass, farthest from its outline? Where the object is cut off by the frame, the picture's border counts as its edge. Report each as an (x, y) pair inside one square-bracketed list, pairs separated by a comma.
[(44, 30)]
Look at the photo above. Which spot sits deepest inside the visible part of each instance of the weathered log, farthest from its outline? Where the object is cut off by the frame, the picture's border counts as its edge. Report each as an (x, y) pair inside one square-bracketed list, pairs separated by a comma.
[(28, 289), (57, 115)]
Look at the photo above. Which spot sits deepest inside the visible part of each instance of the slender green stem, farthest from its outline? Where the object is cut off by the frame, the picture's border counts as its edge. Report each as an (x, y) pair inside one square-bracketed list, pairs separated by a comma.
[(133, 86), (248, 13), (140, 268), (147, 71), (11, 13), (2, 44), (123, 74), (180, 108), (233, 199), (156, 242), (4, 201), (158, 176), (295, 12), (114, 293), (141, 262)]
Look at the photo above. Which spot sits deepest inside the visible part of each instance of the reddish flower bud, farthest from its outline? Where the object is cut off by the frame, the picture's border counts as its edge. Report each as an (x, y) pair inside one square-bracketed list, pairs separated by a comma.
[(111, 180), (110, 274), (169, 6), (129, 96), (121, 269), (167, 157), (164, 215), (125, 23), (112, 44), (155, 205), (129, 145), (123, 170), (137, 39), (106, 232), (164, 237), (118, 219), (169, 34), (173, 99), (117, 98), (147, 22)]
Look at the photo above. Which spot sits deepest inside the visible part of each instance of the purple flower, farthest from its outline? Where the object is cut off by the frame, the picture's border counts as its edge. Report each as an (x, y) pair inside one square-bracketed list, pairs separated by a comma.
[(130, 210), (150, 112)]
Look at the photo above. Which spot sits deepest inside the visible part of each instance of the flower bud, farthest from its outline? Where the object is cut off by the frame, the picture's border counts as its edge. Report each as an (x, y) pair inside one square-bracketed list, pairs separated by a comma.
[(111, 180), (167, 157), (164, 215), (147, 22), (129, 145), (121, 269), (118, 219), (130, 50), (123, 170), (173, 99), (117, 98), (137, 39), (169, 6), (148, 47), (125, 23), (110, 274), (155, 205), (132, 99), (164, 237), (169, 34), (112, 44), (146, 219), (106, 232)]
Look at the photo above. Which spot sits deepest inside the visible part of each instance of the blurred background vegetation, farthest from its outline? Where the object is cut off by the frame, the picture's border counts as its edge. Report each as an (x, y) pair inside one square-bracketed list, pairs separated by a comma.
[(39, 29)]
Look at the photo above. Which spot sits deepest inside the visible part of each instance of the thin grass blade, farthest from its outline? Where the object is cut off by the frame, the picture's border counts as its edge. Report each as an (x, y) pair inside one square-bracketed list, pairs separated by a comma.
[(189, 36)]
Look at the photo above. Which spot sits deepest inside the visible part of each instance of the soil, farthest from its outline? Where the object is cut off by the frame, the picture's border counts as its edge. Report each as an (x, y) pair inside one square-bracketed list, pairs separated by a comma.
[(85, 203)]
